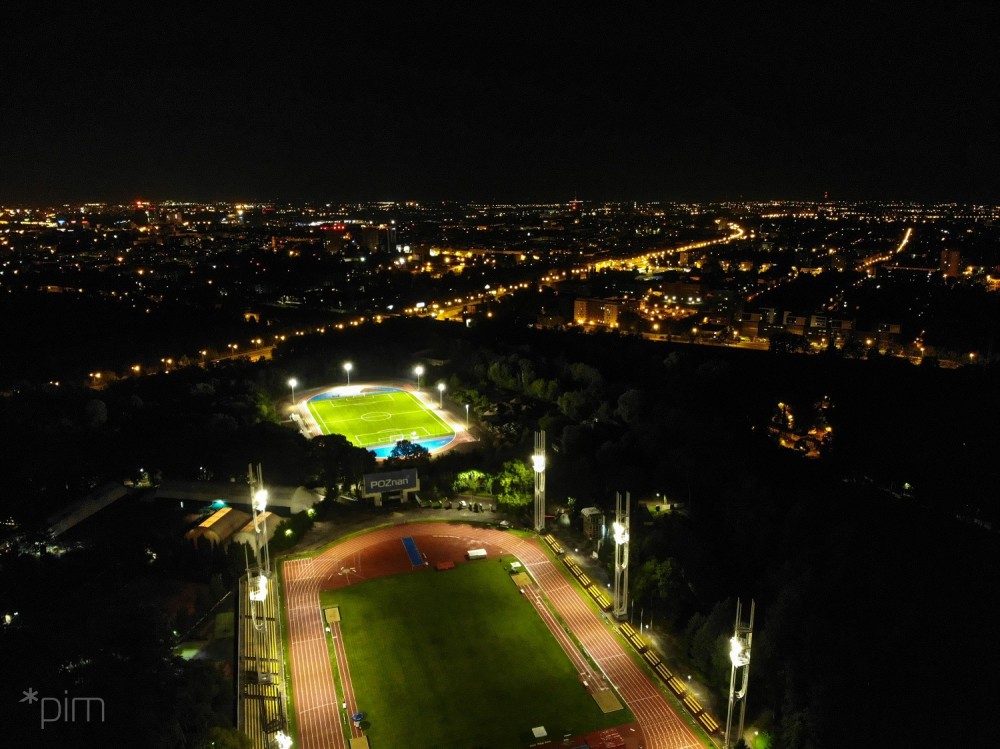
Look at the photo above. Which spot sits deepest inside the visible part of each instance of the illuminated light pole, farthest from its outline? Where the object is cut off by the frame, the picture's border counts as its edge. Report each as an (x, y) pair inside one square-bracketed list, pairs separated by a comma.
[(739, 655), (467, 417), (292, 383), (347, 368), (620, 530), (440, 395), (419, 372), (538, 463)]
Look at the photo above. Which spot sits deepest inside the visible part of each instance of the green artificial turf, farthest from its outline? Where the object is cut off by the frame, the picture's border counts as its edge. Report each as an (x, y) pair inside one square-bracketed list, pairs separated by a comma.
[(379, 418), (458, 659)]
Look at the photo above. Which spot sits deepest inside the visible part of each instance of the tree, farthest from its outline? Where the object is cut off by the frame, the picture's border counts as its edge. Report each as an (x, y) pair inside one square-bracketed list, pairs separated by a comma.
[(471, 481), (500, 374), (631, 405), (406, 450), (576, 404), (663, 582), (515, 484), (339, 463)]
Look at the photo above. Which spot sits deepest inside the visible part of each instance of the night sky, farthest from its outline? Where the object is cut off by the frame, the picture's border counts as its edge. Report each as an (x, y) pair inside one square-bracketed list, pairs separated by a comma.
[(504, 102)]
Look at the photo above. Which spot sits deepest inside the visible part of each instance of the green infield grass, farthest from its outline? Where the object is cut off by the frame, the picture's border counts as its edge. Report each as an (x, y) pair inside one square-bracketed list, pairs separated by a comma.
[(459, 659), (378, 418)]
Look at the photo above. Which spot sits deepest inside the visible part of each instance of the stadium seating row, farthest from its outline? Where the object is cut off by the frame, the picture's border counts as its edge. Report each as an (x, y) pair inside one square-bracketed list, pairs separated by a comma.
[(598, 595), (553, 544), (633, 637), (592, 588), (710, 725), (677, 686)]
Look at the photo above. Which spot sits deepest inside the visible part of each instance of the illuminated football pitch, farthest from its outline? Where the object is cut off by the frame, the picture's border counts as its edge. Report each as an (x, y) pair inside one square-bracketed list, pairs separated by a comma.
[(377, 417)]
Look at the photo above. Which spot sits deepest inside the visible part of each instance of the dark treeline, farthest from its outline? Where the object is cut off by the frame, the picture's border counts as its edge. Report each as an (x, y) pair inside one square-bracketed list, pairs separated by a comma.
[(872, 596)]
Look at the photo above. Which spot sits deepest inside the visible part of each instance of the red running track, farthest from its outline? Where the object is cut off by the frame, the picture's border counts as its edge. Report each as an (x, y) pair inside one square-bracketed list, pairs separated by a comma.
[(373, 554)]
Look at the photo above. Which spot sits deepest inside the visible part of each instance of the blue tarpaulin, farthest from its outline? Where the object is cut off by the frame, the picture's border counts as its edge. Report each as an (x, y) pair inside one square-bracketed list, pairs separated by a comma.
[(411, 549)]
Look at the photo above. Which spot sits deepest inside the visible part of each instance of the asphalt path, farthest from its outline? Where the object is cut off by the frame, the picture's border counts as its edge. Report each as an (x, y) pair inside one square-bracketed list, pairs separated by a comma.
[(319, 714)]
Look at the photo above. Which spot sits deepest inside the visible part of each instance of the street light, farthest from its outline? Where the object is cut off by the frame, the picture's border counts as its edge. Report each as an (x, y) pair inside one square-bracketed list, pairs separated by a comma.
[(440, 395), (347, 368), (467, 417), (419, 372), (292, 383)]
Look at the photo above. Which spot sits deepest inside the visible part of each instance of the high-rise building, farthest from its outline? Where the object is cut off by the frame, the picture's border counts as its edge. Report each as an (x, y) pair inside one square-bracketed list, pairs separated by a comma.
[(951, 263), (596, 312)]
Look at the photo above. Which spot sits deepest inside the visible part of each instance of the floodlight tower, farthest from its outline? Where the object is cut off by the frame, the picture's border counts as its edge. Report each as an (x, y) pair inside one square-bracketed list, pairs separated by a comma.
[(538, 463), (739, 654), (264, 636), (258, 573), (620, 528)]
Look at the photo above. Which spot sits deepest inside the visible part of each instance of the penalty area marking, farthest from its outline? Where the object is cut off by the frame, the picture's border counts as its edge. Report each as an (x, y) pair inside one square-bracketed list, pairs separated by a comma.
[(380, 437)]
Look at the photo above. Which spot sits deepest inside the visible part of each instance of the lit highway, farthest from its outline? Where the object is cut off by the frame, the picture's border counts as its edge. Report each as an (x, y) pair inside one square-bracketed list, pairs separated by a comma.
[(867, 265)]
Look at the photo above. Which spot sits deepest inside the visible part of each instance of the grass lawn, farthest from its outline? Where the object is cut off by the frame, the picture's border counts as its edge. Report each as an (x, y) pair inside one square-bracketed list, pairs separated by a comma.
[(378, 418), (458, 659)]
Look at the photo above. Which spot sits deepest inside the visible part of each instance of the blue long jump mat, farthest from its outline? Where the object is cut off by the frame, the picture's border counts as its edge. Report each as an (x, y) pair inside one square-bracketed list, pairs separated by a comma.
[(416, 558)]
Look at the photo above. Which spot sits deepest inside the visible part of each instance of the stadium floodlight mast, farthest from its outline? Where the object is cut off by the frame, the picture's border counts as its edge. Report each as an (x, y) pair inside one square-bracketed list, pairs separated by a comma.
[(620, 533), (259, 572), (292, 383), (419, 372), (261, 610), (739, 655), (538, 464), (347, 368), (440, 395)]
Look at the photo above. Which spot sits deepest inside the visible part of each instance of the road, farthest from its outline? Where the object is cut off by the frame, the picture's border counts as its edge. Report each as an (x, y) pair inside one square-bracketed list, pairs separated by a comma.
[(318, 712)]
